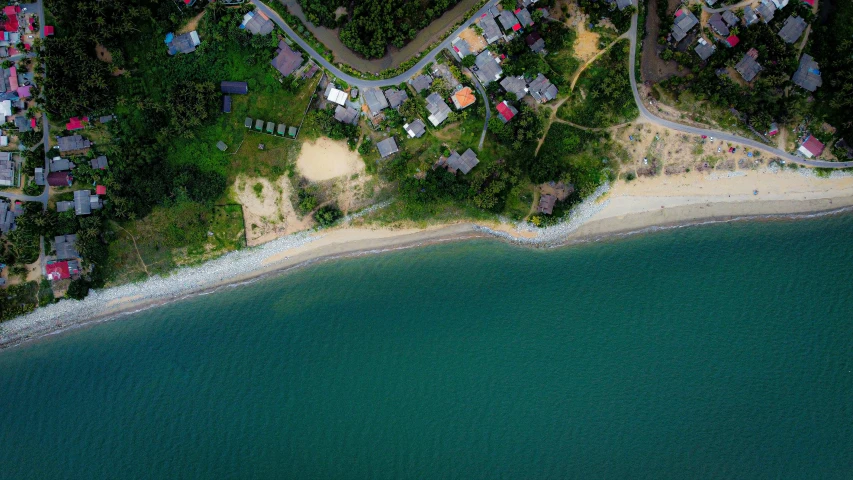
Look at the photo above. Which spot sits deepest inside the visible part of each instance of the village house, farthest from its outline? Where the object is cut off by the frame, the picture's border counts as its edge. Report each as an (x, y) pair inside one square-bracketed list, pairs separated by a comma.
[(76, 123), (730, 18), (766, 10), (509, 22), (811, 147), (336, 96), (59, 164), (546, 204), (256, 23), (184, 43), (421, 83), (704, 49), (524, 17), (438, 109), (749, 16), (395, 97), (60, 179), (718, 25), (8, 213), (73, 143), (387, 147), (748, 66), (807, 75), (62, 270), (66, 247), (486, 68), (346, 115), (375, 99), (415, 129), (8, 170), (535, 42), (732, 40), (83, 204), (622, 4), (234, 88), (542, 90), (684, 22), (793, 29), (286, 60), (515, 85), (463, 98), (461, 48), (38, 176), (505, 111), (459, 163), (491, 32)]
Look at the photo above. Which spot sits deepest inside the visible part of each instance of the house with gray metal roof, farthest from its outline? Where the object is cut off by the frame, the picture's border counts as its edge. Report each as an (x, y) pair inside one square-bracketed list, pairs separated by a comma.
[(793, 29), (684, 22), (749, 16), (766, 10), (375, 99), (438, 109), (66, 247), (99, 163), (38, 177), (396, 97), (415, 129), (748, 66), (257, 23), (704, 49), (73, 143), (234, 88), (542, 89), (509, 21), (8, 177), (516, 85), (807, 75), (718, 25), (459, 163), (184, 43), (85, 202), (535, 42), (59, 164), (8, 214), (486, 68), (387, 147), (421, 83), (730, 18), (623, 4), (524, 17), (346, 115), (491, 32), (461, 48)]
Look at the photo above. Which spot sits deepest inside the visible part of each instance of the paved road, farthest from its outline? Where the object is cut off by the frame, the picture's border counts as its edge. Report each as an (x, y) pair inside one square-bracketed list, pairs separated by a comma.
[(648, 116), (488, 111), (360, 82)]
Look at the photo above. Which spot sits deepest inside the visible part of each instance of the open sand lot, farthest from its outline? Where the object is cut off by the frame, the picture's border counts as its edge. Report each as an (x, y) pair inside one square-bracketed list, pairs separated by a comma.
[(326, 159), (268, 214)]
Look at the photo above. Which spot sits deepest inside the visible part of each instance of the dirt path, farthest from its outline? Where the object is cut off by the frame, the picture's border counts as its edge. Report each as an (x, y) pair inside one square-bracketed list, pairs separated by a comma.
[(589, 62), (192, 24), (135, 247)]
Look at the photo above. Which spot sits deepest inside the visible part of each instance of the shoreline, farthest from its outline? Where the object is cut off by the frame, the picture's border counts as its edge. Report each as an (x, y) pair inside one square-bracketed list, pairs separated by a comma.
[(599, 219)]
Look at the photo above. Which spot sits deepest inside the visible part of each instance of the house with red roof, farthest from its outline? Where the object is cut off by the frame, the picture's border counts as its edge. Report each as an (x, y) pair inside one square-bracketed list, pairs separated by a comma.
[(811, 147), (11, 24), (76, 123), (62, 270), (732, 40), (48, 30), (505, 111), (100, 190), (24, 92), (809, 2)]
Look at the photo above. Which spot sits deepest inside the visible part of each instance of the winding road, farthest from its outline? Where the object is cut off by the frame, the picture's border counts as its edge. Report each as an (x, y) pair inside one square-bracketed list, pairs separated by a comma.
[(645, 114)]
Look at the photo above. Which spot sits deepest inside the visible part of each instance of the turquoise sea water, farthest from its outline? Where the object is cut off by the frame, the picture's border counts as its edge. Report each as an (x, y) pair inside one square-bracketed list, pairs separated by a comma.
[(722, 351)]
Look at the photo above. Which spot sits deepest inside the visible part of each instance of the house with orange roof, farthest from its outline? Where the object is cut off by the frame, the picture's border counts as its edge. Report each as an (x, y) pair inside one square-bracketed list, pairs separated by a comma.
[(463, 98)]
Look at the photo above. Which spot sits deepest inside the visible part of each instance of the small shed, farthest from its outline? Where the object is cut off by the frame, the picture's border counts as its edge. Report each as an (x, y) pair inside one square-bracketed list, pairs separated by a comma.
[(292, 132), (281, 129), (226, 104), (221, 146), (259, 125), (270, 127), (248, 123), (234, 88)]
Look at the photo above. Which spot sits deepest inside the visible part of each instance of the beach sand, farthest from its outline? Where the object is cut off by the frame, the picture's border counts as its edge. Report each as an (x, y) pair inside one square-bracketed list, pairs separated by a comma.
[(326, 159), (636, 206)]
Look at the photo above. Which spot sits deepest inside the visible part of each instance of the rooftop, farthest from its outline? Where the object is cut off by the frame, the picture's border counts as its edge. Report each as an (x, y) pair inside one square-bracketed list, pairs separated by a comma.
[(463, 163), (184, 43), (375, 99), (415, 129), (807, 75), (506, 111), (491, 32), (748, 67), (396, 97), (387, 147), (463, 98), (486, 68), (345, 115), (437, 108), (793, 29), (542, 89), (421, 83), (684, 22), (286, 60)]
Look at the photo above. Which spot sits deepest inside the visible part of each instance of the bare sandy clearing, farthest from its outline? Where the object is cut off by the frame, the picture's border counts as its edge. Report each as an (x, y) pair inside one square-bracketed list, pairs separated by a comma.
[(267, 211), (326, 159)]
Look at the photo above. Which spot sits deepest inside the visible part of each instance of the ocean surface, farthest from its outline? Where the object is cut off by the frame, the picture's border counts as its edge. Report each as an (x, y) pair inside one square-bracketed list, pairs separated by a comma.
[(721, 351)]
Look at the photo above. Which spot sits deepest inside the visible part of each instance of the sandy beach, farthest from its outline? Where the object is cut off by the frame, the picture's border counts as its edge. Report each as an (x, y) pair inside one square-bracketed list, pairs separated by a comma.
[(636, 206)]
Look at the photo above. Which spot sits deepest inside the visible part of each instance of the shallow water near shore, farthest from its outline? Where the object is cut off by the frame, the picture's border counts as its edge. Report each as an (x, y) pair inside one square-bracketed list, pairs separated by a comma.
[(722, 351)]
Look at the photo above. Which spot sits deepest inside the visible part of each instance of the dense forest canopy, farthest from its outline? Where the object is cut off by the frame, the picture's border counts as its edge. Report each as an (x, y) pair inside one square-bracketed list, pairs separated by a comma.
[(373, 24), (832, 47)]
